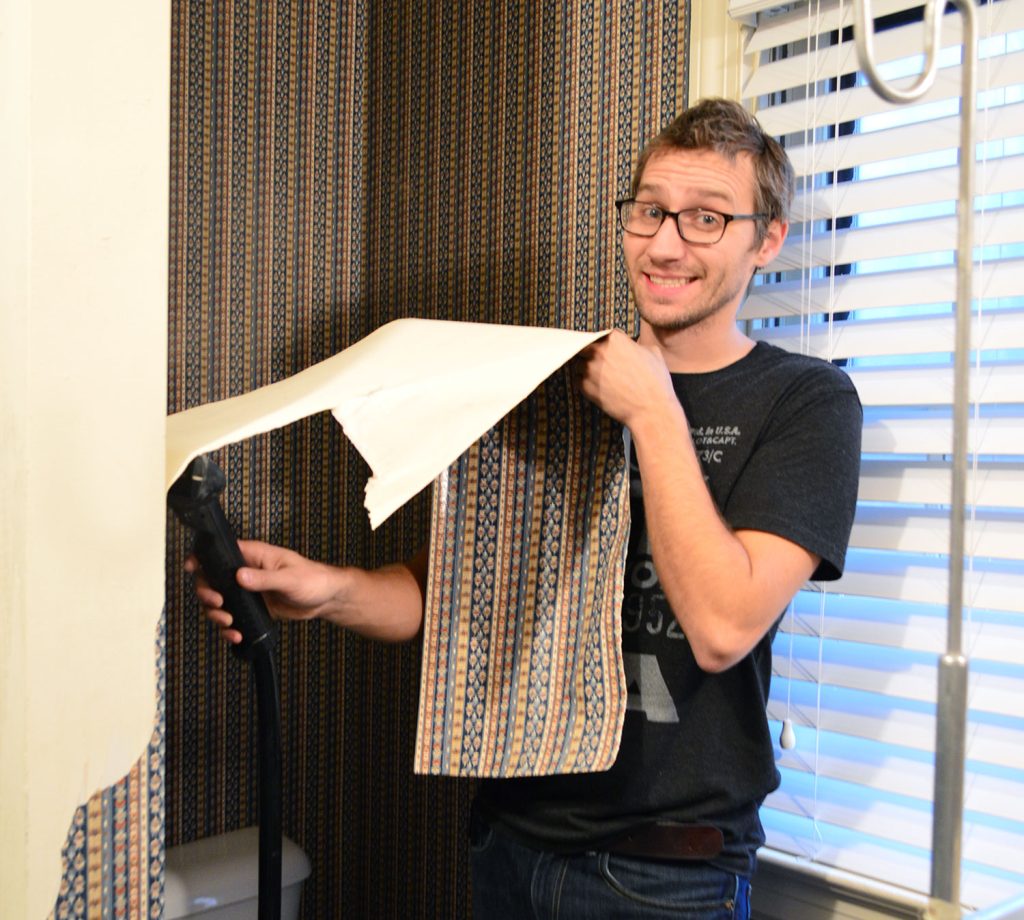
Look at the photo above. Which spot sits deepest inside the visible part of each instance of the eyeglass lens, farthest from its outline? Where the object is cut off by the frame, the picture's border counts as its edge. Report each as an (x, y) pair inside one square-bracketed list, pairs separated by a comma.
[(695, 225)]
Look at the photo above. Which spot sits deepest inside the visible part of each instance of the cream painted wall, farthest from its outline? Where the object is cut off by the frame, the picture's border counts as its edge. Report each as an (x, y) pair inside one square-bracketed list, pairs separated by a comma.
[(83, 292), (716, 48)]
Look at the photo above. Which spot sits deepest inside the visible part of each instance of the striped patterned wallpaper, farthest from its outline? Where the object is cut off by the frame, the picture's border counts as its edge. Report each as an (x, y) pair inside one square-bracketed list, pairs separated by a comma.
[(336, 166)]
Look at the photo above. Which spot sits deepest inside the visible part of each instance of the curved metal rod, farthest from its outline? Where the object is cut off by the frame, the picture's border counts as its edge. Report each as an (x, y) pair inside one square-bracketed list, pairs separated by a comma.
[(951, 714), (864, 32)]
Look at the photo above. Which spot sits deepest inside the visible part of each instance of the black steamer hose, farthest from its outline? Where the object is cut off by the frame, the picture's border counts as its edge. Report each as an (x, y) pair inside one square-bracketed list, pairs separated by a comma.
[(195, 499)]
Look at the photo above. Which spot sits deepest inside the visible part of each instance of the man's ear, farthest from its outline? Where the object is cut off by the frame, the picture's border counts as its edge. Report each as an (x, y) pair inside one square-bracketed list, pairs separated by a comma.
[(774, 237)]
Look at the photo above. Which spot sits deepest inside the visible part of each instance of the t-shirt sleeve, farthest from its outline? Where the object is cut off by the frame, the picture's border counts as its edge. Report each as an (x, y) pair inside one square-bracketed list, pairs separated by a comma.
[(801, 480)]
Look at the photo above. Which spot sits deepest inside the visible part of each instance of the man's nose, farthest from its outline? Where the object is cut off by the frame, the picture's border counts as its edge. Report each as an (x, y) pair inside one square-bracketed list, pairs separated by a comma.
[(668, 242)]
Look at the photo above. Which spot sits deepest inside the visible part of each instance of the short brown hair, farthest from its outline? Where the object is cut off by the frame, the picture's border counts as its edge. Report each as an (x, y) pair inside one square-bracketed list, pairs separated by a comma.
[(725, 127)]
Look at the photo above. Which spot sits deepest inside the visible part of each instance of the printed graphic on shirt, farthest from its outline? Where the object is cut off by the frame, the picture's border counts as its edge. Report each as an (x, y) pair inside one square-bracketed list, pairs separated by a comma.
[(646, 614), (644, 607), (647, 691), (711, 441), (646, 618)]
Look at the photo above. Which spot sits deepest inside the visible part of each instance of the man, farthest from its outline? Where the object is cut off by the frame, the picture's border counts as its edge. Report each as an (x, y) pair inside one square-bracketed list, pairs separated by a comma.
[(744, 464)]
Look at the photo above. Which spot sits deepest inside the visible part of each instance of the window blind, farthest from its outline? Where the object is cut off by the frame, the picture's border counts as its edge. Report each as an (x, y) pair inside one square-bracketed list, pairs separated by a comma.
[(867, 279)]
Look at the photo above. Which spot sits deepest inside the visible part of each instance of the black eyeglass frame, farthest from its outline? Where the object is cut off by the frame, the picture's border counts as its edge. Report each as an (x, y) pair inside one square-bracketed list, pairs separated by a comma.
[(675, 215)]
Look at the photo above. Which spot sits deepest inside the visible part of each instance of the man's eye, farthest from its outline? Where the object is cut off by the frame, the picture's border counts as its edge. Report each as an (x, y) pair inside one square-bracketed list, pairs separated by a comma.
[(650, 212), (707, 219)]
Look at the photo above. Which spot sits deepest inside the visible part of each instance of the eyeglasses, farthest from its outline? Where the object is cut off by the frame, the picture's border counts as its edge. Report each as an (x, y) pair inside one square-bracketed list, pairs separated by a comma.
[(695, 225)]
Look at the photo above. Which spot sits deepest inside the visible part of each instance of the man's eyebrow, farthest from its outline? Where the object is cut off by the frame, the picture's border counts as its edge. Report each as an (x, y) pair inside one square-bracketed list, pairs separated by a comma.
[(702, 194)]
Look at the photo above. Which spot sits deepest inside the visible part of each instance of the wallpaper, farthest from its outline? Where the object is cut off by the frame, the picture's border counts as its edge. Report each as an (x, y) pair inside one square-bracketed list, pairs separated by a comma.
[(335, 166)]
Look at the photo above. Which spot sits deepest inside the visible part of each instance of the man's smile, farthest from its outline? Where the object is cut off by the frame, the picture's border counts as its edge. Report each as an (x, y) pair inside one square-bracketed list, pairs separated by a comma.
[(669, 281)]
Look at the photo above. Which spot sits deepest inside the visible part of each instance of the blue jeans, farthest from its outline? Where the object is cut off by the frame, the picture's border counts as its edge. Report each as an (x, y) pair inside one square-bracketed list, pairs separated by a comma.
[(514, 882)]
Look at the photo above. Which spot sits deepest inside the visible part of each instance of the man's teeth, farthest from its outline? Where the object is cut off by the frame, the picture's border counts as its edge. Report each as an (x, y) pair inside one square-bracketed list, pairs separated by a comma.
[(669, 282)]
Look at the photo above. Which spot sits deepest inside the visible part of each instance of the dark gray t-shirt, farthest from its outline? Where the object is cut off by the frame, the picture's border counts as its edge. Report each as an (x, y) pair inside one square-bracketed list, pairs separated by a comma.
[(778, 437)]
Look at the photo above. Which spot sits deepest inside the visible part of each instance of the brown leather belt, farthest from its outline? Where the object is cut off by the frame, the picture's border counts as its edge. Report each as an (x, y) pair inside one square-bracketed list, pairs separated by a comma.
[(665, 840)]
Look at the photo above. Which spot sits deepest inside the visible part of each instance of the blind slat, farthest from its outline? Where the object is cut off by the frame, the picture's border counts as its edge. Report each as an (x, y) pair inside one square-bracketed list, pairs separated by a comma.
[(985, 640), (916, 386), (820, 111), (915, 237), (849, 199), (915, 681), (934, 435), (828, 60), (870, 574), (793, 26), (924, 137), (887, 337), (904, 823), (930, 483), (741, 9), (989, 534), (884, 720), (813, 840), (880, 290), (887, 767)]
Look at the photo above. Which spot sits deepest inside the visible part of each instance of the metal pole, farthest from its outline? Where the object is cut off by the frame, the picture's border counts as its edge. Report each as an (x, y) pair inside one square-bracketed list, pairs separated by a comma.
[(951, 715), (951, 722)]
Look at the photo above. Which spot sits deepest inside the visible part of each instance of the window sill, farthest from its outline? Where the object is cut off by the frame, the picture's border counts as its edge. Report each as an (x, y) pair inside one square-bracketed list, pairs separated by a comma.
[(787, 888)]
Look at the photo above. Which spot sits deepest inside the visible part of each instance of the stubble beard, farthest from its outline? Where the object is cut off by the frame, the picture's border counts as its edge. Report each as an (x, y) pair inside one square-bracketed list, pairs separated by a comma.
[(713, 303), (677, 323), (666, 321)]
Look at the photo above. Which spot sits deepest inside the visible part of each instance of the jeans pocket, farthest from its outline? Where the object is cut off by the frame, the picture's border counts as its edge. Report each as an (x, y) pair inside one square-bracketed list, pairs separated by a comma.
[(676, 888)]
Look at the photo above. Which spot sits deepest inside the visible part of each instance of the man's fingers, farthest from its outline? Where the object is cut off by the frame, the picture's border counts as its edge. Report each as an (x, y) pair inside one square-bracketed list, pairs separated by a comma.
[(260, 555), (220, 618), (208, 597), (231, 635), (261, 579), (223, 620), (212, 602)]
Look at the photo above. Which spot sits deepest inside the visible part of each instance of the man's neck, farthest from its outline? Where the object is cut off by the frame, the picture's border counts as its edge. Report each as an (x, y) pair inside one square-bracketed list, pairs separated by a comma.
[(698, 349)]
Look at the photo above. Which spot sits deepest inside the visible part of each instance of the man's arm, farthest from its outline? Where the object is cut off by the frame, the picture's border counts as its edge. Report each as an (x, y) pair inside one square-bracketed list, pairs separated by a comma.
[(725, 587), (385, 603)]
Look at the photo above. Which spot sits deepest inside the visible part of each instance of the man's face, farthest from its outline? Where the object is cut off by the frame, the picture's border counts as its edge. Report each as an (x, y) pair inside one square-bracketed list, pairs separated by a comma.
[(677, 285)]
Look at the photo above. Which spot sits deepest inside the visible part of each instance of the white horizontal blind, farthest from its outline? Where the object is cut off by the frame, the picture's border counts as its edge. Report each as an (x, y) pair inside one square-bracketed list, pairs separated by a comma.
[(867, 278)]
